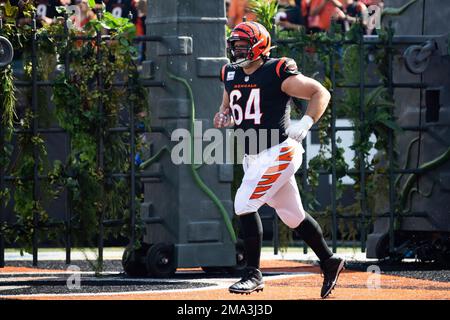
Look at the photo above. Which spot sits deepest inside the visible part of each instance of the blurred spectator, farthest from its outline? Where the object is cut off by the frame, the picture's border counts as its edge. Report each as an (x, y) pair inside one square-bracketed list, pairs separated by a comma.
[(237, 11), (20, 19), (15, 3), (321, 12), (46, 12), (46, 9), (138, 9), (86, 14), (141, 7), (368, 3), (122, 8), (290, 15), (353, 11)]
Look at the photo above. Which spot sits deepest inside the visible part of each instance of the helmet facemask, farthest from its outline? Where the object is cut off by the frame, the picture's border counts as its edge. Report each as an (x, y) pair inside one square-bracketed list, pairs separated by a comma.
[(241, 55), (254, 43)]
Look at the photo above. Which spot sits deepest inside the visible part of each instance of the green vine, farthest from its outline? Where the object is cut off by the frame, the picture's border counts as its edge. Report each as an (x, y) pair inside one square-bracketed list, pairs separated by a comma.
[(8, 101), (94, 194), (312, 53), (265, 10)]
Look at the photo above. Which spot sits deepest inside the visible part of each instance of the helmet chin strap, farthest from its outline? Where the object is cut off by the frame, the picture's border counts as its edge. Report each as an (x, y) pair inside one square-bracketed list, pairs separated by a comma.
[(244, 62)]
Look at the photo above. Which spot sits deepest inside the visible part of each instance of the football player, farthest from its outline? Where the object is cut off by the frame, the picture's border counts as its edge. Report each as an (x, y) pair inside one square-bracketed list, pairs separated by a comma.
[(256, 95)]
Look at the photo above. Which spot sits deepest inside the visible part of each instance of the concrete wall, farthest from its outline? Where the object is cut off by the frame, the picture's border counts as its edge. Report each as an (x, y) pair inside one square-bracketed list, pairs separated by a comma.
[(194, 49), (425, 17)]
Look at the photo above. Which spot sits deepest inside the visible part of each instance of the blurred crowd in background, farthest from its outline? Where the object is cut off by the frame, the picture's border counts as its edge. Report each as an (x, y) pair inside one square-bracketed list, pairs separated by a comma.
[(312, 15), (80, 13), (47, 11)]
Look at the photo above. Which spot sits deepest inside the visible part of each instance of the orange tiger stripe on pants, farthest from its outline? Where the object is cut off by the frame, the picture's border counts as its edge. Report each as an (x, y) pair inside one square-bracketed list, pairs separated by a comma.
[(269, 178), (273, 173)]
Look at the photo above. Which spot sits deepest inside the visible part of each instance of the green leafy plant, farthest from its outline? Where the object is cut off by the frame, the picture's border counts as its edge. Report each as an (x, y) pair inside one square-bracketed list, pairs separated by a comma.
[(313, 54), (265, 11), (7, 101), (94, 194)]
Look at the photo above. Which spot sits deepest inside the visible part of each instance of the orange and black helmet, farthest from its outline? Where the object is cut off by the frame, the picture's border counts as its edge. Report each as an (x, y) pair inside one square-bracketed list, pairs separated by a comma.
[(258, 43)]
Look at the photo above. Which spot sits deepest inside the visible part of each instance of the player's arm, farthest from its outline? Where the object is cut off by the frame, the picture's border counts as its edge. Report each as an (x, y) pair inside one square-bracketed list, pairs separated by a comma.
[(224, 118), (225, 102), (306, 88)]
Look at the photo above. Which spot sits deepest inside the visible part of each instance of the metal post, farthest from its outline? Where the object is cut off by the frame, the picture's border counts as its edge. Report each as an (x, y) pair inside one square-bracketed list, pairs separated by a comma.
[(2, 204), (391, 150), (304, 164), (362, 165), (275, 234), (2, 189), (34, 125), (132, 171), (68, 226), (333, 151), (100, 146)]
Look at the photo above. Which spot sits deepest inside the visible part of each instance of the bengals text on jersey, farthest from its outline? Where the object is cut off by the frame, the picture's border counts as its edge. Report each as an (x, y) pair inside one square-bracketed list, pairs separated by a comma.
[(257, 101)]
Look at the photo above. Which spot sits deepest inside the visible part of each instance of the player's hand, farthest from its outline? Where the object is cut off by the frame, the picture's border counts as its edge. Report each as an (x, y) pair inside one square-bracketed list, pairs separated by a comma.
[(223, 119), (298, 129)]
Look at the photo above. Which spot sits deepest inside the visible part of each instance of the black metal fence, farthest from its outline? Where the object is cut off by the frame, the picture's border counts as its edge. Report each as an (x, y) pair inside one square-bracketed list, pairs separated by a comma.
[(133, 175), (365, 218)]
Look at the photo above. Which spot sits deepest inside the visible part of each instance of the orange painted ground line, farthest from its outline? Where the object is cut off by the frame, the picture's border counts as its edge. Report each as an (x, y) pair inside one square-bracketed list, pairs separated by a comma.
[(27, 269), (352, 285)]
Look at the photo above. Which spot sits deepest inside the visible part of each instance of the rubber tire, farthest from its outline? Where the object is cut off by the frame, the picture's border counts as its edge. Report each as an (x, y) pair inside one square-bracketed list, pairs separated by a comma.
[(134, 266), (8, 52), (153, 260), (383, 252), (214, 270), (382, 248)]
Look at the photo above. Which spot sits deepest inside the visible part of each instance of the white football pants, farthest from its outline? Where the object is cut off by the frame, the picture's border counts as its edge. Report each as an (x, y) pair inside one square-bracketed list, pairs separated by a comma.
[(269, 179)]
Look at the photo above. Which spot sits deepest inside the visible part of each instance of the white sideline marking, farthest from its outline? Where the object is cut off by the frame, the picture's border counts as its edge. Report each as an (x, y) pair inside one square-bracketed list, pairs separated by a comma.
[(218, 283), (12, 288), (61, 255), (22, 279), (62, 272)]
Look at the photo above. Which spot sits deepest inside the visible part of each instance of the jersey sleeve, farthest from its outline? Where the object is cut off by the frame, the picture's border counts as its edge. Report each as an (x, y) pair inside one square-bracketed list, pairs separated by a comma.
[(222, 73), (285, 68)]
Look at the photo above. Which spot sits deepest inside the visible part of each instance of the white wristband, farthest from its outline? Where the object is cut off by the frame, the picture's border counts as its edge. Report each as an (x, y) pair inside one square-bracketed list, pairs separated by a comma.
[(298, 129), (307, 121)]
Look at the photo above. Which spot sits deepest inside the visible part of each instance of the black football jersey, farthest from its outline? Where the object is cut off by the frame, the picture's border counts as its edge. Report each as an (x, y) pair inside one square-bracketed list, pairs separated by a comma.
[(46, 8), (121, 8), (257, 101)]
